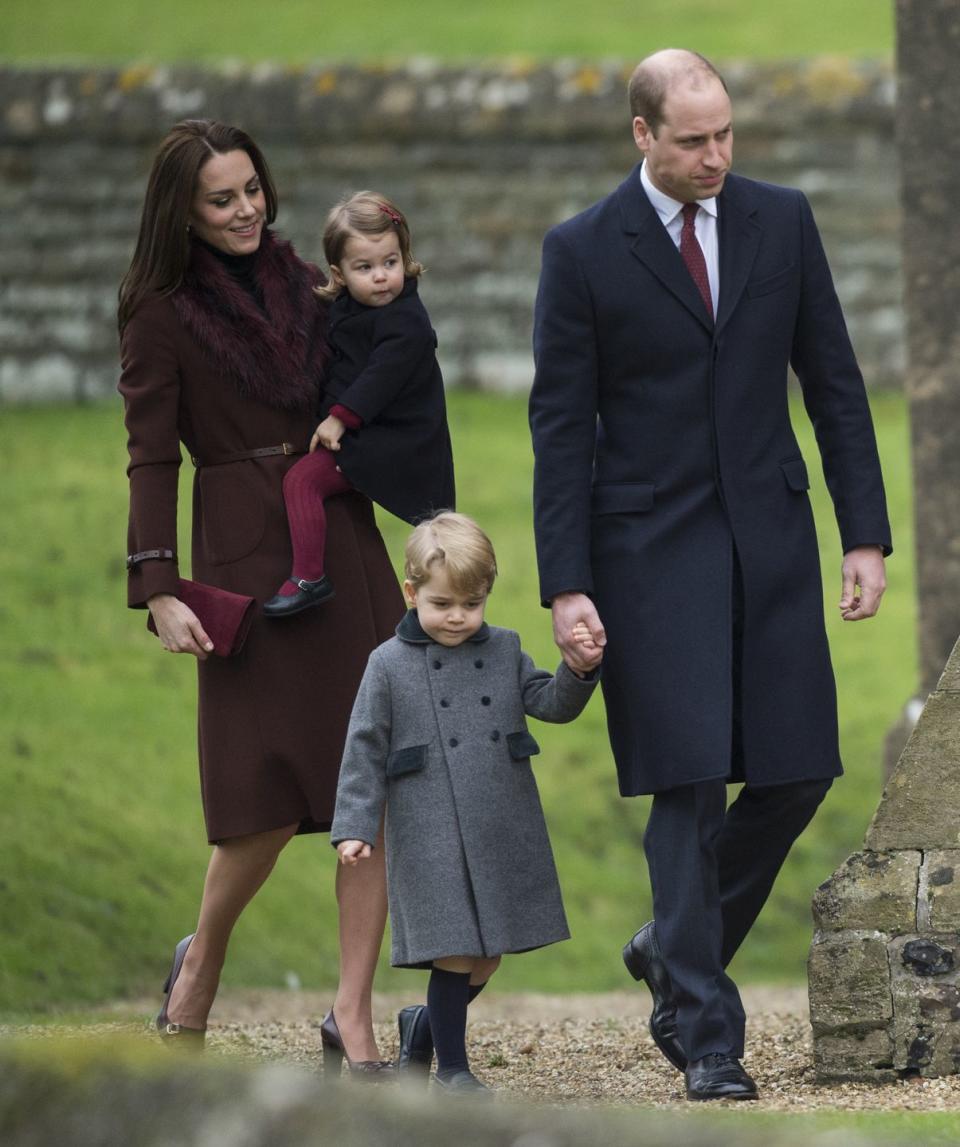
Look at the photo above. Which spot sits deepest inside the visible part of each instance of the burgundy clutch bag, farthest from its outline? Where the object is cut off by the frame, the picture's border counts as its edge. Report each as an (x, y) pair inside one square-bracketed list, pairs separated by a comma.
[(225, 616)]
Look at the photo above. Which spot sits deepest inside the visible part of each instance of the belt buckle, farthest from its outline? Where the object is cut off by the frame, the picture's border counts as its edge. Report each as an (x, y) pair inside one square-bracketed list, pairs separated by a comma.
[(288, 448)]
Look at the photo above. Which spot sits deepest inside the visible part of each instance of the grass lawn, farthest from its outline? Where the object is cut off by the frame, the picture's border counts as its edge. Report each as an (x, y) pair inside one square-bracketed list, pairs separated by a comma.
[(297, 31), (103, 842)]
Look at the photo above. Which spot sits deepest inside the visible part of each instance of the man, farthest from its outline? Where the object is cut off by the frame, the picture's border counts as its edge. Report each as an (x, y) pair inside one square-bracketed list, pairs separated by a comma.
[(672, 519)]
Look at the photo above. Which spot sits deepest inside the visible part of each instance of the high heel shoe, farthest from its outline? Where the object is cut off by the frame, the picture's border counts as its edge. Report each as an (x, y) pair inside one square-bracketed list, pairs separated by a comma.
[(416, 1042), (334, 1053), (176, 1035)]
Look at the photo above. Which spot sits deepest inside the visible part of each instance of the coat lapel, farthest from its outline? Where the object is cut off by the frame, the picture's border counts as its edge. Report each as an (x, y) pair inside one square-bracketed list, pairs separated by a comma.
[(739, 242), (651, 244)]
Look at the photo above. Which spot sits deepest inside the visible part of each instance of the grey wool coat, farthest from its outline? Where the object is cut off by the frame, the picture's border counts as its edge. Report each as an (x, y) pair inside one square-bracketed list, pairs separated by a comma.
[(438, 739)]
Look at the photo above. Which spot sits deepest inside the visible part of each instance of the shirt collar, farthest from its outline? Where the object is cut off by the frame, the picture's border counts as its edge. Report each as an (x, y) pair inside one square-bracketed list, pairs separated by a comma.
[(411, 630), (666, 207)]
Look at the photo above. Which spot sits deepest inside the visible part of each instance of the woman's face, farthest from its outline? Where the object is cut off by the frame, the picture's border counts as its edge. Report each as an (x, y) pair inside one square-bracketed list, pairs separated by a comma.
[(229, 205)]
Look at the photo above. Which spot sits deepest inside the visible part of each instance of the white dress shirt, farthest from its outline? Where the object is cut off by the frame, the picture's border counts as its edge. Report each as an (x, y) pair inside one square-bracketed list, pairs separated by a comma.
[(705, 225)]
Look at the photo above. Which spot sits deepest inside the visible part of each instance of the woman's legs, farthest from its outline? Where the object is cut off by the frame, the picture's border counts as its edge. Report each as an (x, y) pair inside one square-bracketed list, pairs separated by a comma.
[(237, 869), (362, 899)]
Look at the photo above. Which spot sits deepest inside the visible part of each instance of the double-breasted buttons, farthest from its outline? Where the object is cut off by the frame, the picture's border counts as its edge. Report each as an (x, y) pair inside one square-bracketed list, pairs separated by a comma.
[(453, 742), (495, 735), (438, 664), (483, 701), (478, 664), (444, 703)]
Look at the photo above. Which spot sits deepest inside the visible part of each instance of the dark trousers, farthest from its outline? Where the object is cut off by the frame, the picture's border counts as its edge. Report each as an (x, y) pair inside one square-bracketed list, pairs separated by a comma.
[(712, 869)]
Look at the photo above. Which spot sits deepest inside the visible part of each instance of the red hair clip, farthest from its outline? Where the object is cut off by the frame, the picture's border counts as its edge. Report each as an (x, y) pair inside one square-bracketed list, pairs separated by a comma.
[(395, 216)]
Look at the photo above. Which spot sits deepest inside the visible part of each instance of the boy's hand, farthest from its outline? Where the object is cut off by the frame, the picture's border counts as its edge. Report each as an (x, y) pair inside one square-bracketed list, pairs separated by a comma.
[(582, 635), (350, 851), (328, 434)]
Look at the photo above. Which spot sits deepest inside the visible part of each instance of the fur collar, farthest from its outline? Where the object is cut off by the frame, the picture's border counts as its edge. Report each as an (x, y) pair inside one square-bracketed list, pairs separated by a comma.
[(275, 358)]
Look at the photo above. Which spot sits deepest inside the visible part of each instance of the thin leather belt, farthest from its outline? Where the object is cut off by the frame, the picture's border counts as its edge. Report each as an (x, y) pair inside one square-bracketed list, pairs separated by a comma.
[(244, 455)]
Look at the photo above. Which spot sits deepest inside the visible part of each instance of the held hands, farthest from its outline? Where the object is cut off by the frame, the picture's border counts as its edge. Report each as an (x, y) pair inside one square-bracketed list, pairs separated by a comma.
[(350, 851), (328, 434), (578, 631), (178, 627), (864, 580)]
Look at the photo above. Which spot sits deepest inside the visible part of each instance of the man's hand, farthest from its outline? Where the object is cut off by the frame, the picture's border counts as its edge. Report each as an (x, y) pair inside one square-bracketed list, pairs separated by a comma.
[(571, 611), (864, 580)]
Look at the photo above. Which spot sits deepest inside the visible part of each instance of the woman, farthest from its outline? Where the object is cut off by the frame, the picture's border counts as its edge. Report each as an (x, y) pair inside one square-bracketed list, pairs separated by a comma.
[(222, 349)]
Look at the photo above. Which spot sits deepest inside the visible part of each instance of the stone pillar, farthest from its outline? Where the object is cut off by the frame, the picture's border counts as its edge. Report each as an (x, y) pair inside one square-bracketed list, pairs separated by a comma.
[(928, 101), (884, 968), (928, 97)]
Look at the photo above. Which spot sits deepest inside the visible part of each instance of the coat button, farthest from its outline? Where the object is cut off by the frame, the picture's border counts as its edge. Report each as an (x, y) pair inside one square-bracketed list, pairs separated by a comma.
[(478, 664), (495, 735), (444, 703), (453, 742), (438, 664), (484, 700)]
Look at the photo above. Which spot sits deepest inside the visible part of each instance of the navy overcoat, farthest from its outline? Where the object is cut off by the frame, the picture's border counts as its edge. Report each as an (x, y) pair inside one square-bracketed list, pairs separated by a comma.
[(664, 448), (384, 368)]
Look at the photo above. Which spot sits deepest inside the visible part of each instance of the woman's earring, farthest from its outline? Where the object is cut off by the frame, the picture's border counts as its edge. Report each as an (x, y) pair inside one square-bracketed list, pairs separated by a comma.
[(189, 228)]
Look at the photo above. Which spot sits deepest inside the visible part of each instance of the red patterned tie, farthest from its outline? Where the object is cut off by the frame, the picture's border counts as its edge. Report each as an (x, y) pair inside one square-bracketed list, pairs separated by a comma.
[(692, 254)]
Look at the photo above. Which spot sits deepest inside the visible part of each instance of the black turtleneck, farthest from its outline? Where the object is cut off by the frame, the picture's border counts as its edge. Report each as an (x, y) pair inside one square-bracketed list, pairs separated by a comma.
[(240, 268)]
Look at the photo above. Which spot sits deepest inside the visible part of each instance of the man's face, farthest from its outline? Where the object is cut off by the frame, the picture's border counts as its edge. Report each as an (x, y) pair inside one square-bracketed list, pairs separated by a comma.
[(691, 153)]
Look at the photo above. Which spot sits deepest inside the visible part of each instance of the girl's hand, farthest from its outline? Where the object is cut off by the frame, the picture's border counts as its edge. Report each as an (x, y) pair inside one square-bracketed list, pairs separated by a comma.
[(178, 627), (350, 851), (328, 434)]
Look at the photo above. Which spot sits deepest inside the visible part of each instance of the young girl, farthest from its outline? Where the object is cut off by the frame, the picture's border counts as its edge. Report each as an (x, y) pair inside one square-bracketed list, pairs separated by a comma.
[(438, 739), (384, 429)]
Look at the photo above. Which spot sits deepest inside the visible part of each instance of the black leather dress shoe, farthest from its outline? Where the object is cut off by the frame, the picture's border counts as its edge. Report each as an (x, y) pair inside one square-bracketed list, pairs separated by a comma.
[(462, 1083), (718, 1076), (309, 594), (644, 961), (416, 1042)]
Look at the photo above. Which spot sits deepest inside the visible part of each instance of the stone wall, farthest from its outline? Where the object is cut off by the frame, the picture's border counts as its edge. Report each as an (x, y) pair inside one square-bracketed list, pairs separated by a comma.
[(884, 968), (482, 159)]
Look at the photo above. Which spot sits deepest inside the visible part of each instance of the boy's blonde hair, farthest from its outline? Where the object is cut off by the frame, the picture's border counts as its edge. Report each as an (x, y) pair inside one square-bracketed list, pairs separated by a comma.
[(455, 543), (364, 213)]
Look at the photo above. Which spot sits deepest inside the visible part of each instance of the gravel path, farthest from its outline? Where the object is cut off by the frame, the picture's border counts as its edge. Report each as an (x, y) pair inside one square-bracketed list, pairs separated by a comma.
[(579, 1049)]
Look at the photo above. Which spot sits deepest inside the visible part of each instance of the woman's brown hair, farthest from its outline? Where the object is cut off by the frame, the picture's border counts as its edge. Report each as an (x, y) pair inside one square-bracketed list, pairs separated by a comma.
[(163, 245)]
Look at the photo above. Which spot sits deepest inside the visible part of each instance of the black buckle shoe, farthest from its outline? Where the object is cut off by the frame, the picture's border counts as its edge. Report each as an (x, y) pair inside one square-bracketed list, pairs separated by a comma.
[(309, 594), (644, 961), (718, 1076), (416, 1042)]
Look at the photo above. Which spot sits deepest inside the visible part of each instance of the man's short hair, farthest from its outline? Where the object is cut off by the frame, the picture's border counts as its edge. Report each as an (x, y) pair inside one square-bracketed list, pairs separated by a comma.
[(650, 83)]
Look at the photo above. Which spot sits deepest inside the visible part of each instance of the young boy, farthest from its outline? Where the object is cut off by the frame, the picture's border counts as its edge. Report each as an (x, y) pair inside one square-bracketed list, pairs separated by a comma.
[(438, 739)]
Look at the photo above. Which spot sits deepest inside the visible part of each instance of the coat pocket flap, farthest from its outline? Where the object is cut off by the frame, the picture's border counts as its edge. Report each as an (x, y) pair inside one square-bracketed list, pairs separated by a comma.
[(622, 497), (757, 287), (795, 472), (409, 760), (522, 745)]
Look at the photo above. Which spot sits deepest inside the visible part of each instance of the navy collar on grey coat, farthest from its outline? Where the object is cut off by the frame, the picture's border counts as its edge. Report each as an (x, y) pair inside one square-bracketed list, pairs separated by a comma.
[(411, 630), (739, 241)]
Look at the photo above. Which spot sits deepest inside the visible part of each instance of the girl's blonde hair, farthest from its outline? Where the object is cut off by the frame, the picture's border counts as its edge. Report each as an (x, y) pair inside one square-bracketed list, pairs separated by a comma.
[(456, 544), (364, 213)]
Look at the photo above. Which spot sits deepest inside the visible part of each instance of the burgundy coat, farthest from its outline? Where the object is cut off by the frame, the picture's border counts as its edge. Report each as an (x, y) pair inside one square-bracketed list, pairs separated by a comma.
[(206, 368)]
